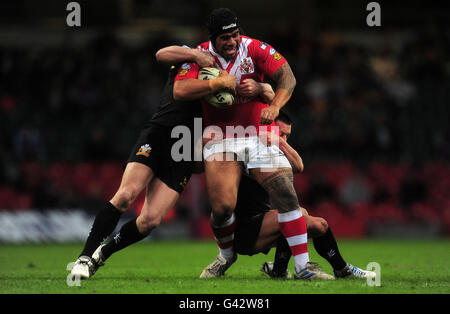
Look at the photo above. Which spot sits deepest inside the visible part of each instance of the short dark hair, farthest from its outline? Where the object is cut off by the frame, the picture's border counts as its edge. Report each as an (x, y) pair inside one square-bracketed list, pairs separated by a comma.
[(284, 117), (221, 21)]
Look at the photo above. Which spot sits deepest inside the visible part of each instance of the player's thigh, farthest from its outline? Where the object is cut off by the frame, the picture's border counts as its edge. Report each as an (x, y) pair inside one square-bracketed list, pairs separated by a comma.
[(135, 178), (269, 232), (278, 183), (222, 180), (159, 200)]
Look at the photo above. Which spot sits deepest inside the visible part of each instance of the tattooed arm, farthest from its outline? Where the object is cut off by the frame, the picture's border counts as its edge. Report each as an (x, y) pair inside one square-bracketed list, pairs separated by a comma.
[(285, 82)]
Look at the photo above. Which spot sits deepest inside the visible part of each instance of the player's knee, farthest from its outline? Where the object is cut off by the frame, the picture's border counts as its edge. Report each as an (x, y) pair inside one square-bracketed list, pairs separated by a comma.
[(124, 197), (148, 222), (222, 212), (318, 226)]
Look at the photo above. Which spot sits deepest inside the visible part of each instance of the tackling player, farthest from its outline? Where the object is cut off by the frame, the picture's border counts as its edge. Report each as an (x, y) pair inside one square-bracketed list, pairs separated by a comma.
[(244, 57), (257, 229), (150, 166)]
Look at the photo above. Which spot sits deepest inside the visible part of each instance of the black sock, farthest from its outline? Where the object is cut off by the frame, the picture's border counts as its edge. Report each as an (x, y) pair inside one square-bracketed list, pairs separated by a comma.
[(127, 235), (104, 224), (282, 256), (327, 247)]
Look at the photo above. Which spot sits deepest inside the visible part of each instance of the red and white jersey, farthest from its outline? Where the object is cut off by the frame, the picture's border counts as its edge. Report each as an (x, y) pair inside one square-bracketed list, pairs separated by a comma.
[(254, 60)]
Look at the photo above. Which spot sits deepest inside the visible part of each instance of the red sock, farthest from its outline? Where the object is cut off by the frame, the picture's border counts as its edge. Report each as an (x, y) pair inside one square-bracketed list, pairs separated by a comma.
[(293, 227), (224, 236)]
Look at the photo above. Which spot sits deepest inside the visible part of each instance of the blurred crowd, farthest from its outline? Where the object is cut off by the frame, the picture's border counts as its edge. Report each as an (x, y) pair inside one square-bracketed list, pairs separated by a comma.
[(371, 123)]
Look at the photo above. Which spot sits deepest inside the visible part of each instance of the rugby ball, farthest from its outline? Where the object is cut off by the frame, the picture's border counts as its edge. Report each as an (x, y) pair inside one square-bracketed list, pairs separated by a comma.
[(221, 99)]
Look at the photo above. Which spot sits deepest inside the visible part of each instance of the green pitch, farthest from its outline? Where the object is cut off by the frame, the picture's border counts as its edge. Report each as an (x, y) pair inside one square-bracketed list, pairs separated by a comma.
[(156, 267)]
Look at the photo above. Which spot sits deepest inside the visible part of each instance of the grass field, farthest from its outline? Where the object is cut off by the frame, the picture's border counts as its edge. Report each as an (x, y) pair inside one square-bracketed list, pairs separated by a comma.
[(161, 267)]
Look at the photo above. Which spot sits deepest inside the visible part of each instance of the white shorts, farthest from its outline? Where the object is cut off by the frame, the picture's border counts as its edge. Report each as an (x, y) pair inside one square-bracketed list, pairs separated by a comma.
[(251, 151)]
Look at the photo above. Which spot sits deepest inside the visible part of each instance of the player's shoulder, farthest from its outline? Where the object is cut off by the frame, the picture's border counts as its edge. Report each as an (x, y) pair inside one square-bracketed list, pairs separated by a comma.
[(253, 43), (248, 40), (203, 46)]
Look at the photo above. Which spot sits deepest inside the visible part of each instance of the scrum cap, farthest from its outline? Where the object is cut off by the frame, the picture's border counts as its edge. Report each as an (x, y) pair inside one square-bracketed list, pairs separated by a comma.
[(221, 21)]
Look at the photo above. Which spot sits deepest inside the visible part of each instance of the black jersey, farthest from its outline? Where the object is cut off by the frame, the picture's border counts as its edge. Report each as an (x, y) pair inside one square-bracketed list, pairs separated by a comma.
[(171, 112), (252, 198)]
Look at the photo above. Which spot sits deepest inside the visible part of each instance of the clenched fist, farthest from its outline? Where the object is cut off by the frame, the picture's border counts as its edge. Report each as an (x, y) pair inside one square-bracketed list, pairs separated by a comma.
[(269, 114)]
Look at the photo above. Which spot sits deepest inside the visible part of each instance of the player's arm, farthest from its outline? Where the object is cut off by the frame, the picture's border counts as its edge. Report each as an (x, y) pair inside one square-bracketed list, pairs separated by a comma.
[(251, 88), (178, 54), (192, 88), (285, 83), (267, 93), (291, 154), (270, 138)]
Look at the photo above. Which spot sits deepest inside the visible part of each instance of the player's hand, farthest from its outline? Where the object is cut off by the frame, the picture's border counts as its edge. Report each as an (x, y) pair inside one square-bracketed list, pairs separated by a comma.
[(225, 81), (249, 88), (269, 114), (204, 59)]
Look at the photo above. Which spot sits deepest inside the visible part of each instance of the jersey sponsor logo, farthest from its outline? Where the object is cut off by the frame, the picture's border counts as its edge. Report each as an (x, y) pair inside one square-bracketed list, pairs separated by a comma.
[(247, 66), (144, 150), (275, 54), (184, 69), (183, 72), (263, 46)]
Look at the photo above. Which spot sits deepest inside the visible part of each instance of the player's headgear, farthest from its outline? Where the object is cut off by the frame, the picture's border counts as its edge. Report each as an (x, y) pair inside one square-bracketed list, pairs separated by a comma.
[(221, 21)]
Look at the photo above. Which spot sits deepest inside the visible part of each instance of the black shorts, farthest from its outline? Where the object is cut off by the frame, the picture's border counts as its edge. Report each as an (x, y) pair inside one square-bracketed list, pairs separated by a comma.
[(246, 233), (153, 149)]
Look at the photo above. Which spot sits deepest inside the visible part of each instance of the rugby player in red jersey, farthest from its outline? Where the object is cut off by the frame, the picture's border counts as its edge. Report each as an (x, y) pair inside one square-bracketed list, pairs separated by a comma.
[(242, 57)]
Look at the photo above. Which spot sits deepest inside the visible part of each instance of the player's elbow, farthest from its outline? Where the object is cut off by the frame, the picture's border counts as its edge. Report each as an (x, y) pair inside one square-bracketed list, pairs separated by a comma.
[(180, 93), (293, 83), (297, 166), (162, 56), (300, 166)]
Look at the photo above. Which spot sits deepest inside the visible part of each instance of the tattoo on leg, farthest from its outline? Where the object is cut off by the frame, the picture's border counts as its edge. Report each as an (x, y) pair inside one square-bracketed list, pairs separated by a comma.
[(280, 187)]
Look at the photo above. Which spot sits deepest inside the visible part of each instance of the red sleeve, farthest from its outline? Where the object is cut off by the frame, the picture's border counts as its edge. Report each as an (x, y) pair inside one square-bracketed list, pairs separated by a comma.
[(187, 71), (267, 59)]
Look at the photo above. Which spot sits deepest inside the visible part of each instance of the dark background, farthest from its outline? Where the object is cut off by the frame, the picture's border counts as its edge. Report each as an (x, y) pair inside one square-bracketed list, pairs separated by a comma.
[(370, 108)]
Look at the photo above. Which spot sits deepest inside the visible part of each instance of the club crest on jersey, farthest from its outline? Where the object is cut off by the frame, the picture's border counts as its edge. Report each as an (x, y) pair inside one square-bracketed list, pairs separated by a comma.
[(144, 150), (184, 182), (247, 66)]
